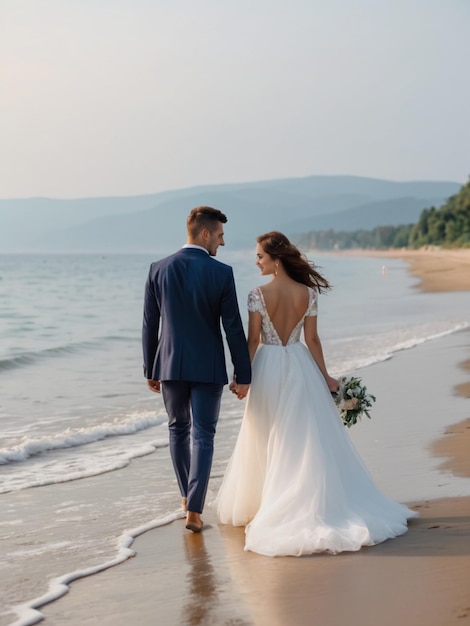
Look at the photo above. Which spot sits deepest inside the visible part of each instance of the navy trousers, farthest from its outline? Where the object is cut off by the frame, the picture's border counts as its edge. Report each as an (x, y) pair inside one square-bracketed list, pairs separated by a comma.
[(193, 412)]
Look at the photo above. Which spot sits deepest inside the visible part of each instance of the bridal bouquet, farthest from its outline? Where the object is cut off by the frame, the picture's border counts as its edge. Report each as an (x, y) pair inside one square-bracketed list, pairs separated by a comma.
[(352, 400)]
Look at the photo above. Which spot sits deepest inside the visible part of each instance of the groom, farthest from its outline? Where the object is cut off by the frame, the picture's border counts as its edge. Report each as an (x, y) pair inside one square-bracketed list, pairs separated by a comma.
[(187, 295)]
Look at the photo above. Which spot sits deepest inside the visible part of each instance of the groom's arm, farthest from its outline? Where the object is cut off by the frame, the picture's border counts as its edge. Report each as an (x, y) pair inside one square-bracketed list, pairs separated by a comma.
[(150, 327), (234, 332)]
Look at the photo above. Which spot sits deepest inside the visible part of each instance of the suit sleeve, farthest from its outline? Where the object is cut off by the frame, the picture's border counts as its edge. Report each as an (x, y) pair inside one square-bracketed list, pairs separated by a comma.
[(150, 327), (234, 332)]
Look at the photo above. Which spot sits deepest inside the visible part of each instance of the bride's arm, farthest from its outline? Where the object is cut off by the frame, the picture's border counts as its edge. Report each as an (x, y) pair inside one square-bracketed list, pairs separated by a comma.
[(313, 342), (254, 332)]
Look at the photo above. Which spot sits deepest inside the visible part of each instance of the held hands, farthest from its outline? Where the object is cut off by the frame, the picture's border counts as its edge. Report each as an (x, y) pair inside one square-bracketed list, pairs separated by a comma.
[(154, 385), (240, 391)]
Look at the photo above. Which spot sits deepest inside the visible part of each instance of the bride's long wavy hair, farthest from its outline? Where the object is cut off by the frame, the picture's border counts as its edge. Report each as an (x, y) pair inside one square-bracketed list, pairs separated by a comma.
[(296, 265)]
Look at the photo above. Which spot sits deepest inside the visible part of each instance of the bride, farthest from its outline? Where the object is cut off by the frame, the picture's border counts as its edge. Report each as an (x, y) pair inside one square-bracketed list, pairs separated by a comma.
[(295, 479)]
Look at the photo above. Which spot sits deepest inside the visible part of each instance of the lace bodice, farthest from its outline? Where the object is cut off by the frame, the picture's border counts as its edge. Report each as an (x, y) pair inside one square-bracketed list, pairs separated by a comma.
[(269, 335)]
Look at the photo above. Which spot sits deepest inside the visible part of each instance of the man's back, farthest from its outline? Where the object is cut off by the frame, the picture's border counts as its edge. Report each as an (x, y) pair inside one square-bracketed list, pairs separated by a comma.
[(191, 293)]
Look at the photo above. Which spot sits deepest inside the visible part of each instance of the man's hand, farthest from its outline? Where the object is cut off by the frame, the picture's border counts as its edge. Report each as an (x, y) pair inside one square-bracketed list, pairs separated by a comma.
[(154, 385)]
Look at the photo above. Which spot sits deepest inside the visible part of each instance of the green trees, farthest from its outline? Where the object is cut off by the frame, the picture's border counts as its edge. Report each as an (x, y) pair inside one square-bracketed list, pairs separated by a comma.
[(448, 226), (381, 237)]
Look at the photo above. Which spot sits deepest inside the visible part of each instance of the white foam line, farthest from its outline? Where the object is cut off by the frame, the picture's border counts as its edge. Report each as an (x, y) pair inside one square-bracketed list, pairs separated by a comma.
[(143, 450), (399, 347), (28, 613), (73, 437)]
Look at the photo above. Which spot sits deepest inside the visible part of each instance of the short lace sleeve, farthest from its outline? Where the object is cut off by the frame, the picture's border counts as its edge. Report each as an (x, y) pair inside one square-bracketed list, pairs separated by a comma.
[(312, 310), (254, 301)]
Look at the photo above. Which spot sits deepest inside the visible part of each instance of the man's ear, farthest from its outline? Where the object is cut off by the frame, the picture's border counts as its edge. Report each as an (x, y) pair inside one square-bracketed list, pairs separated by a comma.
[(205, 234)]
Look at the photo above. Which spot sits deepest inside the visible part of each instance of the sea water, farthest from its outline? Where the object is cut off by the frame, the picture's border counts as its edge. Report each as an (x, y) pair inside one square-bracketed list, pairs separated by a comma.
[(84, 464)]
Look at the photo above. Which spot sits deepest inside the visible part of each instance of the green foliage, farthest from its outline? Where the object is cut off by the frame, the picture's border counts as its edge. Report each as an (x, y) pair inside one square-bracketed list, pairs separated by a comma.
[(353, 400), (447, 226), (382, 237)]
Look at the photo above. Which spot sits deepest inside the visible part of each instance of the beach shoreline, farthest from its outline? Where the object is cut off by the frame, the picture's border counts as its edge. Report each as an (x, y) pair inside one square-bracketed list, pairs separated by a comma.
[(421, 578), (437, 269), (441, 270)]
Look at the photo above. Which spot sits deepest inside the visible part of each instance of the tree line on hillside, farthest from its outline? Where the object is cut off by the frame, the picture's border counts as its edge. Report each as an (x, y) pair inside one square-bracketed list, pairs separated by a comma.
[(447, 226)]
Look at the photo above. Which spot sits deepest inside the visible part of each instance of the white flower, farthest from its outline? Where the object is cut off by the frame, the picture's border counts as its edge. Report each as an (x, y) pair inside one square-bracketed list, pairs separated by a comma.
[(350, 404)]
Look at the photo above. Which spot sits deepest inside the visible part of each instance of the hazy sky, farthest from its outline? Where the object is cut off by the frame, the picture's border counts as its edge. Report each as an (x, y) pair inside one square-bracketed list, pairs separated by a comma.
[(123, 97)]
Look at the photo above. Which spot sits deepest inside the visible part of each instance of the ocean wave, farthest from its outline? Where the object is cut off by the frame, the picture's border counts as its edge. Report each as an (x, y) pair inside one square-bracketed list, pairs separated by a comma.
[(70, 470), (387, 351), (28, 358), (73, 437)]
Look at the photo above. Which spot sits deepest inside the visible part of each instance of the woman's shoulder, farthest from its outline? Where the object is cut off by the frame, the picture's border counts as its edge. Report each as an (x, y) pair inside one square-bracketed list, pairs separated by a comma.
[(312, 310), (255, 299), (304, 295)]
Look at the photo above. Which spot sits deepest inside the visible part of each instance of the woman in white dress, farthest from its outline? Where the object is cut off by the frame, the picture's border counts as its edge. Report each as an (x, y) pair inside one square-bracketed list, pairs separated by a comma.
[(295, 479)]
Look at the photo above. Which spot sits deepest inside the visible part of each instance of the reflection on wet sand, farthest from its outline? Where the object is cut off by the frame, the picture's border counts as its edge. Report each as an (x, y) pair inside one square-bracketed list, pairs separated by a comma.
[(200, 581), (354, 587), (209, 597)]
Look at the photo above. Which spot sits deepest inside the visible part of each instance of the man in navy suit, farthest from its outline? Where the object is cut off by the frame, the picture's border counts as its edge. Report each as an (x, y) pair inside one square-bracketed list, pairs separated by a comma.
[(187, 295)]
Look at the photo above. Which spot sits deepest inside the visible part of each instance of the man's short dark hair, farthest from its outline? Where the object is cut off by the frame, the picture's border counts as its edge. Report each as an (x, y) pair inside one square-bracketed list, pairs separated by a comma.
[(204, 217)]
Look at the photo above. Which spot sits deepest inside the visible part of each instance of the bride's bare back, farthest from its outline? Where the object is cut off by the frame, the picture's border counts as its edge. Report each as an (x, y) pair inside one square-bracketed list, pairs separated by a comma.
[(286, 302)]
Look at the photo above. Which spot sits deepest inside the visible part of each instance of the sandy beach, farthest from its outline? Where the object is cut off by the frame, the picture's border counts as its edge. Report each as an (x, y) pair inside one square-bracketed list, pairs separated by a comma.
[(421, 578)]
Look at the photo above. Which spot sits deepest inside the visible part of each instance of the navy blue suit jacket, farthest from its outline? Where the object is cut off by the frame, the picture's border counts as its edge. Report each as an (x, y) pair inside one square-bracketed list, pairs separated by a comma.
[(187, 295)]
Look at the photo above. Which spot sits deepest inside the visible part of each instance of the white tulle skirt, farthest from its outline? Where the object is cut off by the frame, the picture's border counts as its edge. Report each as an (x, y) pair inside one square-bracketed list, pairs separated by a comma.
[(295, 479)]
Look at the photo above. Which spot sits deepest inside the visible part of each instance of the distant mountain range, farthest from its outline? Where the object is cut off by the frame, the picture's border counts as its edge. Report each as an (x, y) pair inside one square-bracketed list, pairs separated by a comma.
[(156, 222)]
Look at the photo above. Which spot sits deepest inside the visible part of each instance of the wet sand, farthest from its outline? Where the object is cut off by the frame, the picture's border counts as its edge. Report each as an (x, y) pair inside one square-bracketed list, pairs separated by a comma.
[(421, 578), (178, 577)]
